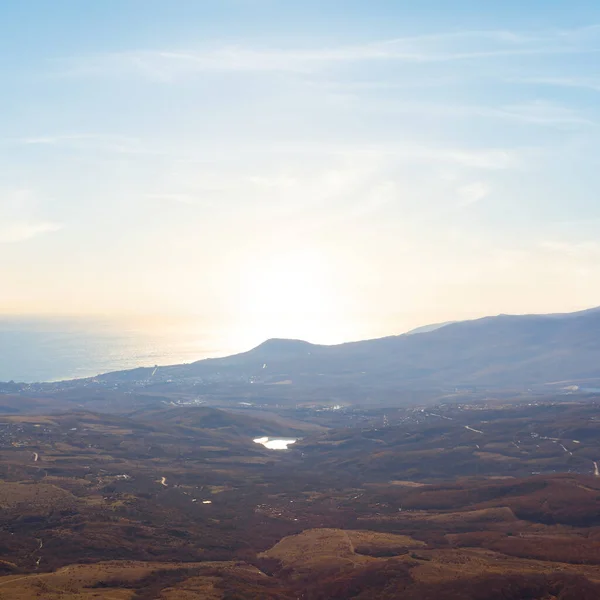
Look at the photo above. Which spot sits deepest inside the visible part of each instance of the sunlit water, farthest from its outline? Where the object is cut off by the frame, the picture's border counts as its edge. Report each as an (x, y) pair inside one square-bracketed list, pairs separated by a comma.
[(36, 349), (275, 443)]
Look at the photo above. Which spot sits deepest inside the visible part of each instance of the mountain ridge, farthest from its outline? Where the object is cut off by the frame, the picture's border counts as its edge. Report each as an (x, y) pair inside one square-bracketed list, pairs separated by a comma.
[(502, 350)]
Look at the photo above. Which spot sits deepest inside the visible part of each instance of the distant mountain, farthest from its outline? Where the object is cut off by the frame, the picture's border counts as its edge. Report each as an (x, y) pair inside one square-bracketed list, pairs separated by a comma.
[(505, 350), (428, 328)]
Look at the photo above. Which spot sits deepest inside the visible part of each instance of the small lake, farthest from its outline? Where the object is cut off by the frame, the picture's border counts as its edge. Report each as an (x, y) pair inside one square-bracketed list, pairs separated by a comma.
[(275, 443)]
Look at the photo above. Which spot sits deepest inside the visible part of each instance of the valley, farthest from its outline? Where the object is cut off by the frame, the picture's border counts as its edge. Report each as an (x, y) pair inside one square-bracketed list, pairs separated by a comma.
[(434, 501)]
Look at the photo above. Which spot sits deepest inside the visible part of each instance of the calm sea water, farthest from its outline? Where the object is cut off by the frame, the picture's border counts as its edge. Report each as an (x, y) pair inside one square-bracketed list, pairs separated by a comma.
[(39, 349)]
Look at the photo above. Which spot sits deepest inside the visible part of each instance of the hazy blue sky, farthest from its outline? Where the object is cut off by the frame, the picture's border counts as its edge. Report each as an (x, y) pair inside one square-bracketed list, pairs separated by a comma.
[(326, 170)]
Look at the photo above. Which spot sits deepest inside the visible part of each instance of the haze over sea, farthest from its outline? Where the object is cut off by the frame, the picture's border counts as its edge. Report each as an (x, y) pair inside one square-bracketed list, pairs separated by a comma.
[(53, 348), (50, 349)]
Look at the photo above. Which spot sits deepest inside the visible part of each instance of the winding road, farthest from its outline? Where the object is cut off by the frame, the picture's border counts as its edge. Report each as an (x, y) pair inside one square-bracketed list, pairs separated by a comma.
[(471, 429), (36, 576), (18, 579)]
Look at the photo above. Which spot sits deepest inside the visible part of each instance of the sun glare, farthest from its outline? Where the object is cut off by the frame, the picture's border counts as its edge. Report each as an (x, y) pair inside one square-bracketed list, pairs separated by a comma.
[(291, 295)]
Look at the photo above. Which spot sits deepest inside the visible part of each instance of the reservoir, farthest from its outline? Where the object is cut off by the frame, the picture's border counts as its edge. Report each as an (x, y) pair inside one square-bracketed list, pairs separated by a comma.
[(275, 443)]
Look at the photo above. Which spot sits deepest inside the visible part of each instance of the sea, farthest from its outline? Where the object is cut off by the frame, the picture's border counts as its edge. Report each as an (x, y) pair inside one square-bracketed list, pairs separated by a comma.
[(36, 349)]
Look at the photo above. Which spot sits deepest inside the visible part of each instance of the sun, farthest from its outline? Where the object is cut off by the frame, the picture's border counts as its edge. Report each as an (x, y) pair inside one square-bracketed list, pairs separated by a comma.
[(291, 294)]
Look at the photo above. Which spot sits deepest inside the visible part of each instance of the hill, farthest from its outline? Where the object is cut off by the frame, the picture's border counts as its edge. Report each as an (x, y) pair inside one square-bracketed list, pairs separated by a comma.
[(227, 422), (502, 351)]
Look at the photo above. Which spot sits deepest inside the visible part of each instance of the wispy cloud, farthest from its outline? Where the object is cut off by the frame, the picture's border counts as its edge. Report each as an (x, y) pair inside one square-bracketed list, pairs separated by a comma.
[(541, 113), (408, 153), (194, 156), (18, 221), (167, 65), (473, 193), (572, 249), (87, 141), (356, 179), (537, 112), (585, 83), (171, 197), (20, 232)]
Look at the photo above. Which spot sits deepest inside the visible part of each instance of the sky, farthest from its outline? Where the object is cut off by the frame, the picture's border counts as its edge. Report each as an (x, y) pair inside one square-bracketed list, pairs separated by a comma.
[(327, 170)]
